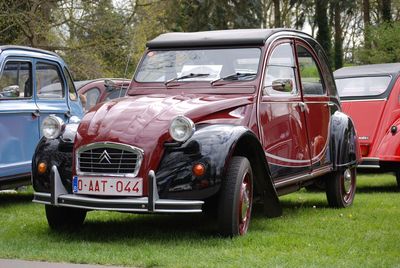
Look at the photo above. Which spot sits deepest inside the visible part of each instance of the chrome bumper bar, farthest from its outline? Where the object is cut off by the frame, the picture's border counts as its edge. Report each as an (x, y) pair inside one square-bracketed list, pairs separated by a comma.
[(370, 162), (151, 204)]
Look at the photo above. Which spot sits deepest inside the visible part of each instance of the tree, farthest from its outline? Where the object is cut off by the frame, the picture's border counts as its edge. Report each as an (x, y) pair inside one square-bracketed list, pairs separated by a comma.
[(321, 18)]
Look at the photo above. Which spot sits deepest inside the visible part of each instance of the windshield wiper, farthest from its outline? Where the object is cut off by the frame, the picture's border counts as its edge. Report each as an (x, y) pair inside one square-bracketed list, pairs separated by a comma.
[(235, 76), (191, 75)]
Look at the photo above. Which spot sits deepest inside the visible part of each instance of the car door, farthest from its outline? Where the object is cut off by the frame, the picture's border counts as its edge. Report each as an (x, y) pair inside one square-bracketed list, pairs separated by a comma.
[(19, 121), (316, 100), (51, 93), (281, 115)]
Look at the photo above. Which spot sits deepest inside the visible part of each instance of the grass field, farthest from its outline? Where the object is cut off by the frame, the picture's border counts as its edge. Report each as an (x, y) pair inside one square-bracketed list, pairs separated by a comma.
[(309, 234)]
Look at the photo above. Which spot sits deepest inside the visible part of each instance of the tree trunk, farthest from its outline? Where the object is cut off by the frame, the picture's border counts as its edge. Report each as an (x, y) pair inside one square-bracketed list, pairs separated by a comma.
[(386, 10), (277, 13), (338, 37), (367, 23), (321, 19)]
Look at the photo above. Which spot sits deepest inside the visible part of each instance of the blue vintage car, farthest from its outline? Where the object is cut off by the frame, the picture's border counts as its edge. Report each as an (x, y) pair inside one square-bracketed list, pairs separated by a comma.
[(34, 83)]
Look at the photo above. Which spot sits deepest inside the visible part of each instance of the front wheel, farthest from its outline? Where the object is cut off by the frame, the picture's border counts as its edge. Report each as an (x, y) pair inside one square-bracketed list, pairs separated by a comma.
[(62, 217), (236, 198), (341, 187)]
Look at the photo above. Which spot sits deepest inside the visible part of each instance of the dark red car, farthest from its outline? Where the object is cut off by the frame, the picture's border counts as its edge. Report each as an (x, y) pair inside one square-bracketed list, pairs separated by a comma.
[(100, 90), (370, 95), (212, 120)]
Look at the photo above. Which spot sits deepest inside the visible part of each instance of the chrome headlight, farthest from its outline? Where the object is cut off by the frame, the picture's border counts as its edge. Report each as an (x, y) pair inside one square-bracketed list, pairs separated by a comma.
[(52, 127), (182, 128)]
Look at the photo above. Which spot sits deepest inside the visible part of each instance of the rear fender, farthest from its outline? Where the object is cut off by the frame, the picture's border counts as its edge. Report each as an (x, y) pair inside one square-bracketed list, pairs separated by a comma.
[(389, 146), (345, 150)]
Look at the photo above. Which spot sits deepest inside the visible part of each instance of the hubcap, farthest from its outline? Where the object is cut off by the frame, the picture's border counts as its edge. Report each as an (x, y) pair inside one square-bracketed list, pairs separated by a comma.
[(245, 201), (347, 180)]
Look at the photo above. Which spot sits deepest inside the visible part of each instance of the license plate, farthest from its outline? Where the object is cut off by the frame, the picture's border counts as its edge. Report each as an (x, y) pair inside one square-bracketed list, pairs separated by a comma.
[(107, 186)]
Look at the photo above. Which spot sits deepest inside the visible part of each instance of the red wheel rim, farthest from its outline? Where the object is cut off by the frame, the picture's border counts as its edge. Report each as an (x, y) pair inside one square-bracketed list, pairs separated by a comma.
[(245, 204)]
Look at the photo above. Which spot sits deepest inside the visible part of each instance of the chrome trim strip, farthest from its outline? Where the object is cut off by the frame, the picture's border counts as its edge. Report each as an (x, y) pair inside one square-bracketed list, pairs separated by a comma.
[(316, 173), (113, 145)]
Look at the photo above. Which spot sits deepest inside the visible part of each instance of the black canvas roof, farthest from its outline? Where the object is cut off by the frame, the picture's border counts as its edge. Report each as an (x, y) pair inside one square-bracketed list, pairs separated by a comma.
[(214, 38), (371, 69)]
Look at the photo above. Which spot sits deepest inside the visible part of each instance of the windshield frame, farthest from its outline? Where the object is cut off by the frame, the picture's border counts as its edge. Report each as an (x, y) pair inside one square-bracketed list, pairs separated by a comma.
[(184, 81)]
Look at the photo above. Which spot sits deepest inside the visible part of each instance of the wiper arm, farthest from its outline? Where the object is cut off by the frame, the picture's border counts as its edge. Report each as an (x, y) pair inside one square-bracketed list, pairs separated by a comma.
[(191, 75), (234, 76)]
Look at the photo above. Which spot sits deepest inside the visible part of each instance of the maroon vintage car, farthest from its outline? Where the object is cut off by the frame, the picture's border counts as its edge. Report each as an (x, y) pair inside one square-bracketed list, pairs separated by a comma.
[(100, 90), (370, 95), (212, 120)]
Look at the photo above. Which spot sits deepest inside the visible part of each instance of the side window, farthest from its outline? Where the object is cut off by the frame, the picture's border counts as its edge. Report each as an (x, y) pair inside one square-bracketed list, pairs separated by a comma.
[(48, 81), (92, 95), (71, 88), (280, 74), (310, 75), (116, 93), (16, 80)]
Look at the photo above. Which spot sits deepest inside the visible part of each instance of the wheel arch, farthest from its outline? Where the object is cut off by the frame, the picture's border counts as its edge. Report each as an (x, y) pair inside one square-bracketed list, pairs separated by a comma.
[(344, 146)]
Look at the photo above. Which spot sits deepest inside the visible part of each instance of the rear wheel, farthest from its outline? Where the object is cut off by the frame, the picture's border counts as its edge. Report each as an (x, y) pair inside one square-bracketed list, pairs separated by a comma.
[(341, 187), (398, 180), (62, 217), (236, 199)]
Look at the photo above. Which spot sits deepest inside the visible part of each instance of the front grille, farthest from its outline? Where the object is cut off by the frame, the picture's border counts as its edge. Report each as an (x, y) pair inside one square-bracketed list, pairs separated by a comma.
[(109, 158)]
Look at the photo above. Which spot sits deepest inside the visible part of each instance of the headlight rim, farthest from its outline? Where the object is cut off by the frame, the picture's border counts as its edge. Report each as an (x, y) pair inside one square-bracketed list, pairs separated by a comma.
[(191, 127), (60, 126)]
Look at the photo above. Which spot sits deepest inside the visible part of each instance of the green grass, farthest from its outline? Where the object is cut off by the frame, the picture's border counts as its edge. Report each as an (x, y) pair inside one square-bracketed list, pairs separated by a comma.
[(309, 234)]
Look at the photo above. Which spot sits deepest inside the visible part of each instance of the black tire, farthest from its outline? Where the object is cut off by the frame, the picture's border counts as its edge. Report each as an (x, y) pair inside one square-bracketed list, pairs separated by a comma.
[(64, 218), (398, 180), (236, 198), (340, 188)]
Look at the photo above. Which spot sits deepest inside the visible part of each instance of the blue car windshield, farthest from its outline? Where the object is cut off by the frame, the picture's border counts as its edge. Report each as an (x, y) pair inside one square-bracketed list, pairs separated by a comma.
[(236, 64)]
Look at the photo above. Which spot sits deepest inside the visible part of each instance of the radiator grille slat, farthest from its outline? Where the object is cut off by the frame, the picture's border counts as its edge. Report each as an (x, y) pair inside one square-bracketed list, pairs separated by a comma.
[(109, 159)]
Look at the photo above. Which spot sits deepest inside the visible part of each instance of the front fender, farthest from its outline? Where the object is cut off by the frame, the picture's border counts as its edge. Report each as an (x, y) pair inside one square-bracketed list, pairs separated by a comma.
[(345, 150), (210, 145)]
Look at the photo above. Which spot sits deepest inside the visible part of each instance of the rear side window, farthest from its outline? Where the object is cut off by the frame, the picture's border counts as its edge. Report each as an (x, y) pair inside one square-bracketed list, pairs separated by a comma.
[(362, 86), (310, 75), (16, 80), (116, 93), (48, 81)]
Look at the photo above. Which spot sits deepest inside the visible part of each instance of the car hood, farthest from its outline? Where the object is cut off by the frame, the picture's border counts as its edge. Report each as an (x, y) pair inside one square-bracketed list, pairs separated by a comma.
[(143, 121)]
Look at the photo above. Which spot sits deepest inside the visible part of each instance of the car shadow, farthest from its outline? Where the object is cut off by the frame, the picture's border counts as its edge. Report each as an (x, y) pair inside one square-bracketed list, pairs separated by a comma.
[(9, 198), (158, 227), (378, 189)]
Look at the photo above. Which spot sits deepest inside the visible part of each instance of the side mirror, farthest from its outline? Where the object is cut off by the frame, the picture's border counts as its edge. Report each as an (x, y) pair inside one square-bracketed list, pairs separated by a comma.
[(282, 85), (10, 92)]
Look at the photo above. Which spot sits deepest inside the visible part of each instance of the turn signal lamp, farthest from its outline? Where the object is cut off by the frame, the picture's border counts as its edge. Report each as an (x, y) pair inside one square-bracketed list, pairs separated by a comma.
[(199, 170), (42, 167)]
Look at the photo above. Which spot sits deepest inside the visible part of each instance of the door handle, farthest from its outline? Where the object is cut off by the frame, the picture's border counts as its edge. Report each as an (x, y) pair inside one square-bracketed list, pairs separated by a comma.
[(303, 106), (36, 113)]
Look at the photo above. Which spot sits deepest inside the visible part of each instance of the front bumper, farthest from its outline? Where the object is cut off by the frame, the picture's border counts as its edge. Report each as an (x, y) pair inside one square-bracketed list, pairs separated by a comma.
[(151, 204)]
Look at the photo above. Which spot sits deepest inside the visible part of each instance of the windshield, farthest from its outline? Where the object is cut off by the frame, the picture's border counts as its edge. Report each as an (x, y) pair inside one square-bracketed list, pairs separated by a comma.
[(198, 65), (362, 86)]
